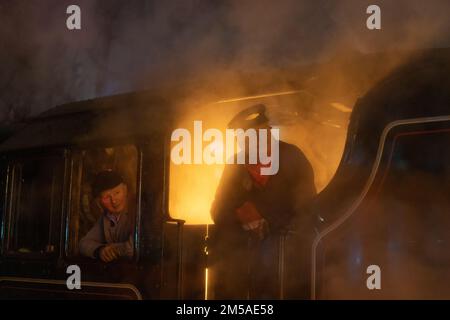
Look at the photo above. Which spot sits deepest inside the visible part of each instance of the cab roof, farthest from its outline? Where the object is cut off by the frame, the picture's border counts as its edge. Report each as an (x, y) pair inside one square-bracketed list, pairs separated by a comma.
[(137, 114), (418, 88)]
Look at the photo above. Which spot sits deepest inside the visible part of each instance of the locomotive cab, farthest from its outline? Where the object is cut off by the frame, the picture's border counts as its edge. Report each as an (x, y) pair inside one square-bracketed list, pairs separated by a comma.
[(47, 170)]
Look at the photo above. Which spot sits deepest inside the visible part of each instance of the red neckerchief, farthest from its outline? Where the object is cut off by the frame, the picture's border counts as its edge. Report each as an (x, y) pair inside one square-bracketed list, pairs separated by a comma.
[(255, 172), (248, 213)]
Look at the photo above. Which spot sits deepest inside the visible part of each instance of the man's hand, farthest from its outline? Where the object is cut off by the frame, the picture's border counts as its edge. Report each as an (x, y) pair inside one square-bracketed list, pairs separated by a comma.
[(109, 253), (262, 230), (251, 220)]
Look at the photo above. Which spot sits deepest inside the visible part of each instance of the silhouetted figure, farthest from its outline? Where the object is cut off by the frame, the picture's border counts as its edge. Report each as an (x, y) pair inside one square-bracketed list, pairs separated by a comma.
[(251, 210)]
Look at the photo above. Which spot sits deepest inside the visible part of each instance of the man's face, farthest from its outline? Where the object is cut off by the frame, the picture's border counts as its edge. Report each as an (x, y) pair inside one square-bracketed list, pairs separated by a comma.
[(265, 126), (115, 199)]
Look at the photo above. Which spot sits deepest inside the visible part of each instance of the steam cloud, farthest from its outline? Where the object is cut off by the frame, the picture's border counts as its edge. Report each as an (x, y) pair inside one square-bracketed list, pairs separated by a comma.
[(130, 45)]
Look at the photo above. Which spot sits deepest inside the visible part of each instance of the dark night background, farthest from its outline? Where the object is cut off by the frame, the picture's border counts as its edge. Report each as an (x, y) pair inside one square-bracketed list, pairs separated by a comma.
[(129, 45)]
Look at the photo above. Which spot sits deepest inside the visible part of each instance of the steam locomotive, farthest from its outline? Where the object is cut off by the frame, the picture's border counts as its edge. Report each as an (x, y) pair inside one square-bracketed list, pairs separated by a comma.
[(388, 204)]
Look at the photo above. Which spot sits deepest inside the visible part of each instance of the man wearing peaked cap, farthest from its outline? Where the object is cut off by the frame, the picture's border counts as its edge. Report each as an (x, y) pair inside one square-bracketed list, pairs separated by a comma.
[(111, 237), (251, 210), (251, 117)]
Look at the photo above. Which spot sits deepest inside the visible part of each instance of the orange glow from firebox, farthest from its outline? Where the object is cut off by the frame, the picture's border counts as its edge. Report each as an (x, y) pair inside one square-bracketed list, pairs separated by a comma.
[(192, 187), (192, 191)]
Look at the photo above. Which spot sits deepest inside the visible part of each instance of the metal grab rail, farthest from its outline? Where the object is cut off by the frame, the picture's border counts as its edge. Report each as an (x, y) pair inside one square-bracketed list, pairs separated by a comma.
[(281, 256), (281, 263), (180, 224)]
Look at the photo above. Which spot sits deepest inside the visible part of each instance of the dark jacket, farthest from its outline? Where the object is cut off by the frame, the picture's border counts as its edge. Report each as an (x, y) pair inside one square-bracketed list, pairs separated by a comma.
[(286, 196), (284, 203), (105, 231)]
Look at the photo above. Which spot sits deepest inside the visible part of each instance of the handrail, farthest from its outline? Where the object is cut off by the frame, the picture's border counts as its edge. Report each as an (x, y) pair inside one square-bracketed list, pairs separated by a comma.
[(84, 283), (180, 224)]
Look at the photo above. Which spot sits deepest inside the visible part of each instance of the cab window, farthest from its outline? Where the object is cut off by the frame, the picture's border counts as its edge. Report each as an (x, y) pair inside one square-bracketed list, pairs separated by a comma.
[(86, 209), (34, 205)]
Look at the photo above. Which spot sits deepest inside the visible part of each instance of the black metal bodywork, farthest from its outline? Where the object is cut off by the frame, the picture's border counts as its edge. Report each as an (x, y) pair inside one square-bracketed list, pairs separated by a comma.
[(388, 204), (134, 119)]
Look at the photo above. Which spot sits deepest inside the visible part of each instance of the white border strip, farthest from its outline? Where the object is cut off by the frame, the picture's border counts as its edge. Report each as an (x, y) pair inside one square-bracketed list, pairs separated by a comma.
[(84, 283), (365, 190)]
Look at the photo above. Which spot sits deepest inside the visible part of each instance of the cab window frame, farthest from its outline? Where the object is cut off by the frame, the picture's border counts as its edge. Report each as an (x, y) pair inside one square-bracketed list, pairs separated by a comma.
[(9, 194), (74, 186)]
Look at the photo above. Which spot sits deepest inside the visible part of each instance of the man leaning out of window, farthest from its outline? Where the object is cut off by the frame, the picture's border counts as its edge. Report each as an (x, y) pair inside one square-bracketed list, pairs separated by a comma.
[(111, 237)]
